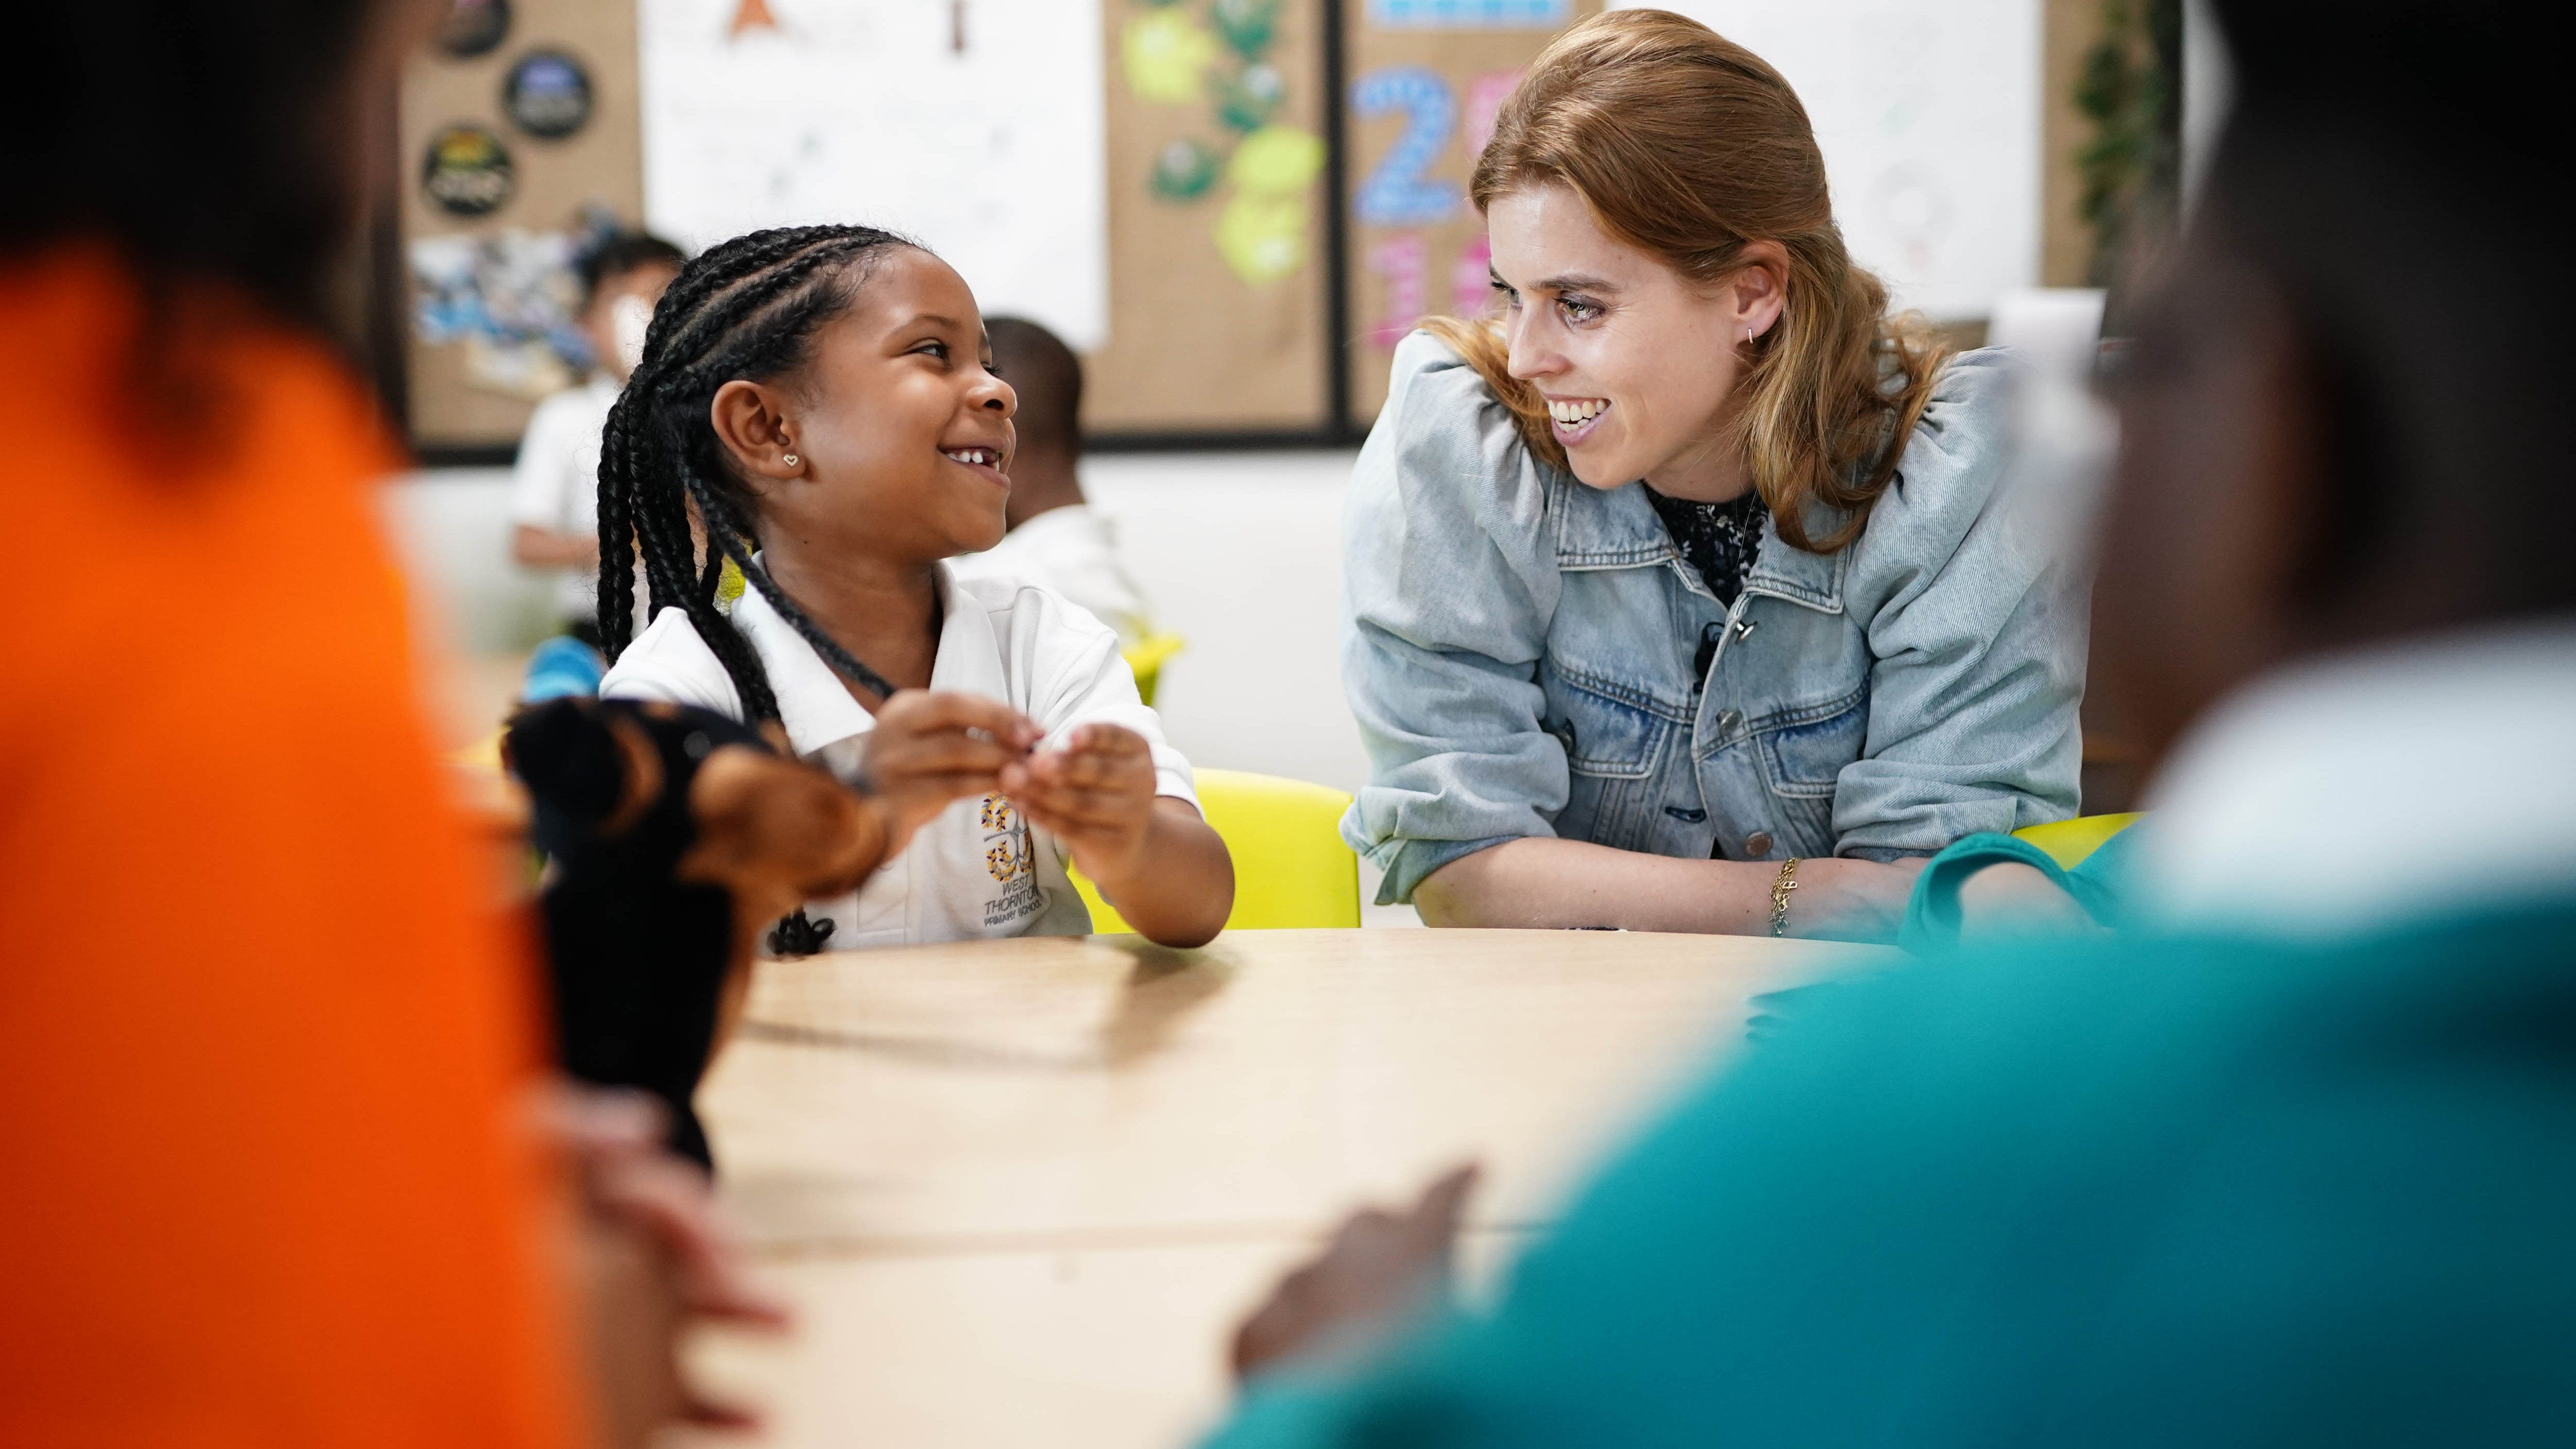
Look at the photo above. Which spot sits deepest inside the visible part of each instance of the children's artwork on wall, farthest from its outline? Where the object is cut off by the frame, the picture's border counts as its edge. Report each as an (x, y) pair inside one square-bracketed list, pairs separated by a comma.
[(1936, 184), (1222, 70), (1216, 205), (1427, 78), (973, 125), (1396, 192), (508, 301)]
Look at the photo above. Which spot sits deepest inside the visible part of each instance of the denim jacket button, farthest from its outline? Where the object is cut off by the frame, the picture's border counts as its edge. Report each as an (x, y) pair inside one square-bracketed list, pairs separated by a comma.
[(1729, 722), (1758, 844)]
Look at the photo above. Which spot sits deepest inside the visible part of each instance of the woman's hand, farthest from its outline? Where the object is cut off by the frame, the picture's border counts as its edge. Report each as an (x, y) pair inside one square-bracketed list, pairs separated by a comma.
[(2014, 899), (929, 749), (1551, 884), (1844, 900), (1153, 858)]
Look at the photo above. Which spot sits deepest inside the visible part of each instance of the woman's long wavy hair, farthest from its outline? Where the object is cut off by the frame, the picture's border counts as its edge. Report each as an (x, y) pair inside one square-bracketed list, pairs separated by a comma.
[(1689, 147)]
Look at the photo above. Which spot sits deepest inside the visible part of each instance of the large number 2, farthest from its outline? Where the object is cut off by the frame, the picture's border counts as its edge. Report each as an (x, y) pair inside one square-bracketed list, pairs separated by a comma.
[(1396, 194)]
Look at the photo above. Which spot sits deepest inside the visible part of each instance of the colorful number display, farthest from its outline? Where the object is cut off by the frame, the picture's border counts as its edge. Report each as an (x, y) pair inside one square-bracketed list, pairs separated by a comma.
[(1397, 193)]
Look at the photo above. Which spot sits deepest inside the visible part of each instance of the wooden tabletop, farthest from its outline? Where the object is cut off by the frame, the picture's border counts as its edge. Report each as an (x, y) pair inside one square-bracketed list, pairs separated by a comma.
[(1019, 1191)]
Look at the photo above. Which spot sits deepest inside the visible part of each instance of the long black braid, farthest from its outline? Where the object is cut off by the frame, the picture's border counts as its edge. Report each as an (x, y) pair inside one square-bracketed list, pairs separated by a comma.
[(747, 308)]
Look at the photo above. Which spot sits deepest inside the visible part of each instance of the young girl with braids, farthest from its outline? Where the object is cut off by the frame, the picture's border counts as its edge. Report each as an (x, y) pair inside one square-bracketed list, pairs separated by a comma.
[(820, 403)]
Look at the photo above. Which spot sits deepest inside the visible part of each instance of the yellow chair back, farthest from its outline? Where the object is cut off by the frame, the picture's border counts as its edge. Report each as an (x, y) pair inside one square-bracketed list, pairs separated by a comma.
[(1145, 660), (2069, 842), (1291, 868)]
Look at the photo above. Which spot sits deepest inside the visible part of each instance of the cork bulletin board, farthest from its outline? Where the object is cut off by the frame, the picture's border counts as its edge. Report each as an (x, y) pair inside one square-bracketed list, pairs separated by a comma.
[(519, 140), (1218, 268), (1426, 77)]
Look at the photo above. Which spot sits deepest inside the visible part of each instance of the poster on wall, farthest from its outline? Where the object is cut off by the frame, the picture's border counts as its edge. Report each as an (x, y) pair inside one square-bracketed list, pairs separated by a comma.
[(1218, 220), (1426, 79), (1929, 118), (973, 125)]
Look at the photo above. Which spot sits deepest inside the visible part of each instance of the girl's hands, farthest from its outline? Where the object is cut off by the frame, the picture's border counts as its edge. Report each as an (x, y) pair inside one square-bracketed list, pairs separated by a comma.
[(1095, 793), (929, 749)]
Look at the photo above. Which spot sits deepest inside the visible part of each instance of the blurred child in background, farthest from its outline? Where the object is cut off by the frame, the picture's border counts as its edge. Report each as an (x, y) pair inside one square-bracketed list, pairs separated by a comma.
[(825, 395), (554, 491), (1055, 539)]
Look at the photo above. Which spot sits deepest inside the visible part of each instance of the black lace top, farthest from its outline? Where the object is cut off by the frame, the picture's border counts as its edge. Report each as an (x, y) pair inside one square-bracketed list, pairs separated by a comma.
[(1717, 539)]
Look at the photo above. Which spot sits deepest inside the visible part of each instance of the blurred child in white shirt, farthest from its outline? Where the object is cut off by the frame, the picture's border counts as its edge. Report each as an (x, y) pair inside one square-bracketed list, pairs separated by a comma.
[(1055, 537), (554, 492)]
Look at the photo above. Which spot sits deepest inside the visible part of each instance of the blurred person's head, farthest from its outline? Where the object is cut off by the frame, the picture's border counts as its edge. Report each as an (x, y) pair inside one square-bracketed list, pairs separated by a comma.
[(621, 279), (217, 146), (822, 392), (2342, 420), (1679, 305), (1048, 378)]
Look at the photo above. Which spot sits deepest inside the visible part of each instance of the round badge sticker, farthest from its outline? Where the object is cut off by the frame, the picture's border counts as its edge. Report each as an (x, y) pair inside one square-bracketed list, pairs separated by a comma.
[(473, 27), (547, 94), (467, 172)]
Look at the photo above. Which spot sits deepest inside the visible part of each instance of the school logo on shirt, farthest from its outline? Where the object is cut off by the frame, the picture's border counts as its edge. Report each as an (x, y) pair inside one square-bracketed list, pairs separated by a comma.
[(1010, 855)]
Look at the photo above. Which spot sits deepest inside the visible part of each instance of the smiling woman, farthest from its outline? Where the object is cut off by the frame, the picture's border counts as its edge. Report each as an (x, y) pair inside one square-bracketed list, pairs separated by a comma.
[(1717, 579)]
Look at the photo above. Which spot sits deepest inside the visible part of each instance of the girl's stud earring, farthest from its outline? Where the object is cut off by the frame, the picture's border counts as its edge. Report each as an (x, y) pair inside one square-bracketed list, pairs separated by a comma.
[(789, 460)]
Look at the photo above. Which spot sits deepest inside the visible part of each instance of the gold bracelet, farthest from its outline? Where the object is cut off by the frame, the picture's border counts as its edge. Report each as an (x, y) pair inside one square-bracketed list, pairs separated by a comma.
[(1780, 889)]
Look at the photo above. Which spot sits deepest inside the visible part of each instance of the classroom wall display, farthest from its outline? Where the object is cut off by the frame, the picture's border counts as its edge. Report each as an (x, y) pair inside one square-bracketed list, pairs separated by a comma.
[(526, 149), (547, 94), (472, 27), (1426, 78), (1930, 121), (972, 125), (1216, 205), (466, 171)]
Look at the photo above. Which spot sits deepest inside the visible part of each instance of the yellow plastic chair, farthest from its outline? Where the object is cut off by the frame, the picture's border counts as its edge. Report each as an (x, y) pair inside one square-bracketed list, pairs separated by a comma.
[(1145, 660), (1291, 868), (2069, 842)]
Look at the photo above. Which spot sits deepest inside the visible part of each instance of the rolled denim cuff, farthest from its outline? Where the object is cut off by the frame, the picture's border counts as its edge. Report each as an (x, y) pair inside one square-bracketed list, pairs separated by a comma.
[(1409, 862), (1883, 854)]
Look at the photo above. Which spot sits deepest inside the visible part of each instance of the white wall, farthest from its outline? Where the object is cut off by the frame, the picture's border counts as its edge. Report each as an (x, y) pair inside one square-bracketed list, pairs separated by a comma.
[(1929, 118)]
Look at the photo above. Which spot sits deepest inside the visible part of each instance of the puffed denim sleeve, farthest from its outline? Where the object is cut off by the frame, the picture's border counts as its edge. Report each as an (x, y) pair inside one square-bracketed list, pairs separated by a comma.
[(1974, 604), (1448, 588)]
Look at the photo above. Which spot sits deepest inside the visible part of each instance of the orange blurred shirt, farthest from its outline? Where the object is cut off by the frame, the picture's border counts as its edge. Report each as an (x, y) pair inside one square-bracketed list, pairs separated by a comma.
[(259, 1104)]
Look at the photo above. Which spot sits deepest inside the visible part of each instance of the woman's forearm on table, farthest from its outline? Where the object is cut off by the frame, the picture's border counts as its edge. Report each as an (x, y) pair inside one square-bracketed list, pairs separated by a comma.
[(1544, 883)]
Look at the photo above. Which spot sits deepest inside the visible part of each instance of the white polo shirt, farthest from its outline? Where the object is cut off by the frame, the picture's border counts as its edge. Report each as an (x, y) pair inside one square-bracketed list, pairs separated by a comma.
[(1074, 551), (556, 483), (978, 870)]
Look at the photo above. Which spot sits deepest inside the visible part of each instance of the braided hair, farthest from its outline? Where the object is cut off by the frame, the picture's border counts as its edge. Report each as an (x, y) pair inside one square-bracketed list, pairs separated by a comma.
[(747, 308)]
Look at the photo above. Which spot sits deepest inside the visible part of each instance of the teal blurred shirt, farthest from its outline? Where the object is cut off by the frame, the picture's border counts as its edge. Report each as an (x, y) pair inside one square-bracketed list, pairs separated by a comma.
[(2172, 1190)]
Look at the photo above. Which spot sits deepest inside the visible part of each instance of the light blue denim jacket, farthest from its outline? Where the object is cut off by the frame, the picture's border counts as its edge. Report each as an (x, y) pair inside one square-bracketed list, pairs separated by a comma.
[(1519, 651)]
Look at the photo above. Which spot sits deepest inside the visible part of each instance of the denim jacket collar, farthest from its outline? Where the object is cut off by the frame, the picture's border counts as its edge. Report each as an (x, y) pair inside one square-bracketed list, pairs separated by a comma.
[(1618, 528)]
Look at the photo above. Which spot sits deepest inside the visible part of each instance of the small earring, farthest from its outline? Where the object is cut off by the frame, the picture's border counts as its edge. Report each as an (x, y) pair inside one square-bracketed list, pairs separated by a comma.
[(1748, 334), (789, 460)]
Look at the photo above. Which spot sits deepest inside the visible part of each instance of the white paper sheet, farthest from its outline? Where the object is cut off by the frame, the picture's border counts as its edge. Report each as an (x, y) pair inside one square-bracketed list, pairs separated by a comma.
[(1928, 114), (973, 125)]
